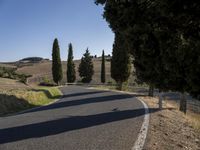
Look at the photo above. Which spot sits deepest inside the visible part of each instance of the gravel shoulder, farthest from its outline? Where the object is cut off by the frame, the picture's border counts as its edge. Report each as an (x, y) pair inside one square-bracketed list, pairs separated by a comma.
[(170, 129)]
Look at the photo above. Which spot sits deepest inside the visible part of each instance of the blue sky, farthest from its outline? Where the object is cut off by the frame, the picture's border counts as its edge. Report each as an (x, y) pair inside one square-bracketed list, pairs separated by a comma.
[(28, 28)]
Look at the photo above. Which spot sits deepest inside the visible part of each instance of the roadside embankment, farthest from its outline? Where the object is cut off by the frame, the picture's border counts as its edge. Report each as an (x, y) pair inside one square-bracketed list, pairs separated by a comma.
[(16, 100), (169, 129)]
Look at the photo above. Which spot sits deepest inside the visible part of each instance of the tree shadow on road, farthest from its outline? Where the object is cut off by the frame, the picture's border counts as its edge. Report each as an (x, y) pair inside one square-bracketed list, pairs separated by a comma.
[(58, 126), (83, 101), (82, 94)]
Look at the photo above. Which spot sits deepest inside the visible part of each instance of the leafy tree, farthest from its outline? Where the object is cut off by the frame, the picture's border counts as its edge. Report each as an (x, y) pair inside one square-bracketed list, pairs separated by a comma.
[(56, 63), (175, 41), (71, 73), (121, 62), (130, 18), (181, 55), (86, 70), (103, 71)]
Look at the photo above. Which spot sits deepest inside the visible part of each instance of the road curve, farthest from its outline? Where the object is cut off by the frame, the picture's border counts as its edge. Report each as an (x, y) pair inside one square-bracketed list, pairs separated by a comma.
[(84, 119)]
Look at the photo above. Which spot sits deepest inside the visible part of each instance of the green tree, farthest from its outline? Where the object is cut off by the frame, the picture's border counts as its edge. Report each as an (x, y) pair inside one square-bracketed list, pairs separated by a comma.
[(56, 63), (103, 71), (175, 38), (181, 54), (129, 18), (71, 73), (86, 69), (121, 62)]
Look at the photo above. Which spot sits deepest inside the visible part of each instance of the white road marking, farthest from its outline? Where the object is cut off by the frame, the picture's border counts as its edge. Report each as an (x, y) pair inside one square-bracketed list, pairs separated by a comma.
[(139, 144)]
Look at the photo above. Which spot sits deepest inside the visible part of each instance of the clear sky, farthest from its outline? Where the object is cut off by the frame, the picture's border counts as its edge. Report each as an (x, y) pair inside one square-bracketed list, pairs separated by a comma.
[(28, 28)]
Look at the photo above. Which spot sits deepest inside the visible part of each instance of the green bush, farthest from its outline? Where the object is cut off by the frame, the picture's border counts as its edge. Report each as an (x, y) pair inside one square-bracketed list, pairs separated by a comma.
[(46, 82)]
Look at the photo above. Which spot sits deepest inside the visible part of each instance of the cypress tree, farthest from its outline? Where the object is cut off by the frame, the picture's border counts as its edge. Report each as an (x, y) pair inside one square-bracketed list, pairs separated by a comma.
[(71, 73), (56, 63), (86, 69), (120, 63), (103, 71)]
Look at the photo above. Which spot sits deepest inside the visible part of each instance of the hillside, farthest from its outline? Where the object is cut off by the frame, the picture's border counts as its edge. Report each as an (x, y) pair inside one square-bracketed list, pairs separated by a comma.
[(43, 69), (9, 84)]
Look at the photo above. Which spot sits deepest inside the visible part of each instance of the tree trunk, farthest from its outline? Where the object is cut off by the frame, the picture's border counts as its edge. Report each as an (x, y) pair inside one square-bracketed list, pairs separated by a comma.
[(119, 86), (183, 103), (151, 90), (160, 99)]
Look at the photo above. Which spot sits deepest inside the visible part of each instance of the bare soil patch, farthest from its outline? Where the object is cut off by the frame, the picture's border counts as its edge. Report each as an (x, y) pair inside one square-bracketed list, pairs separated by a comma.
[(170, 129)]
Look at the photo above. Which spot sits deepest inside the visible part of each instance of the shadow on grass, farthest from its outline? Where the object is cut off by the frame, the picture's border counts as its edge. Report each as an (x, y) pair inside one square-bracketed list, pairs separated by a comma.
[(12, 104), (53, 127), (47, 93)]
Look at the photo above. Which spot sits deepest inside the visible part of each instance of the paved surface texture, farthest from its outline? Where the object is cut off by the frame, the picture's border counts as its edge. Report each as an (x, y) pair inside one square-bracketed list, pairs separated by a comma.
[(84, 119)]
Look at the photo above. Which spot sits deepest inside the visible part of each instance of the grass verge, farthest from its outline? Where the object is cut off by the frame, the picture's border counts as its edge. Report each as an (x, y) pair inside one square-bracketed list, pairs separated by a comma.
[(194, 119), (21, 99)]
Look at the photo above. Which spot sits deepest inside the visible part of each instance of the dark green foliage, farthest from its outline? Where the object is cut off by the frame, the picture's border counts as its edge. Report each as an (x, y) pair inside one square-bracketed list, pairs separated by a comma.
[(86, 70), (32, 59), (181, 42), (46, 81), (103, 71), (71, 73), (163, 39), (120, 63), (194, 70), (56, 63)]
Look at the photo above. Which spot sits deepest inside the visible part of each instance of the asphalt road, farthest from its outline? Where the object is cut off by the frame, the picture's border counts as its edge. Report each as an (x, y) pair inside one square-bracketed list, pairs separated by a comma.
[(84, 119)]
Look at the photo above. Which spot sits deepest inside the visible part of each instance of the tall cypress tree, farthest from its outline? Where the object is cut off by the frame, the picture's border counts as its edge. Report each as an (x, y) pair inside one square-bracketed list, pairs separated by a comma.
[(86, 68), (56, 63), (103, 71), (71, 73), (121, 62)]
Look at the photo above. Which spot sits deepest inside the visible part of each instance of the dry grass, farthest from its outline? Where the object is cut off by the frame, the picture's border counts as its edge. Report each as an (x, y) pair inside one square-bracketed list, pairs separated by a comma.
[(39, 70), (170, 129), (194, 119), (7, 65), (14, 100), (9, 84), (43, 69)]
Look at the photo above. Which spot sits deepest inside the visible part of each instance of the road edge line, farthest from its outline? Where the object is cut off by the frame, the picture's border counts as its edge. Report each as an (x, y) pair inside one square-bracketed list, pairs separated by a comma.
[(141, 139), (140, 142)]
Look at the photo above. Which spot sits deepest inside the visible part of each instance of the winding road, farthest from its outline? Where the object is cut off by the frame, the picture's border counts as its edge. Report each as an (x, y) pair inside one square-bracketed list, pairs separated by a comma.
[(84, 119)]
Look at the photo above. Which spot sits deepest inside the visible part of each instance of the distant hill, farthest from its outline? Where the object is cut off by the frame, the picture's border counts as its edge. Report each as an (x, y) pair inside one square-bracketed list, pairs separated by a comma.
[(31, 59), (40, 68)]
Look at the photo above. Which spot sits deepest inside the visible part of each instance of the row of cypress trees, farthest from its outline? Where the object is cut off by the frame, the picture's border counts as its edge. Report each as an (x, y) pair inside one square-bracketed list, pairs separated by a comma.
[(86, 67), (163, 39)]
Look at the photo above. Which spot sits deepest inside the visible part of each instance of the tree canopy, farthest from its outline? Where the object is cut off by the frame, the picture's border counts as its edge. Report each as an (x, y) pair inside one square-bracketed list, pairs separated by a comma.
[(71, 73), (120, 62), (56, 63), (86, 69), (163, 37)]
